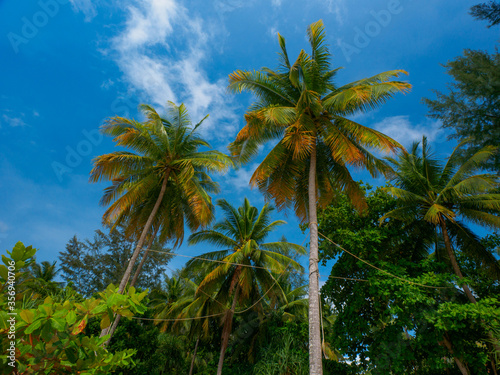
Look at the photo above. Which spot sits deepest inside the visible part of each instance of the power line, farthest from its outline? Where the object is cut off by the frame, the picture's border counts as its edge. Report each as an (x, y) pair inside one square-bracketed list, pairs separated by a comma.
[(217, 261), (276, 280), (379, 269), (248, 265)]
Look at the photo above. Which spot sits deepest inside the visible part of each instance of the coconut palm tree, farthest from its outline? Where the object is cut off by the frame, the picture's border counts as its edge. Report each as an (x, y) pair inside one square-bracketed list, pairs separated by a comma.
[(447, 197), (41, 283), (300, 106), (166, 162), (246, 267), (180, 309)]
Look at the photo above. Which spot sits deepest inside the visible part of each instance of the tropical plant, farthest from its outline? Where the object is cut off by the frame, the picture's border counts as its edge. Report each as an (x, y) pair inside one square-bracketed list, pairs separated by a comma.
[(182, 311), (302, 107), (48, 337), (246, 268), (168, 163), (256, 328), (447, 197), (92, 264), (41, 282), (471, 107), (489, 11)]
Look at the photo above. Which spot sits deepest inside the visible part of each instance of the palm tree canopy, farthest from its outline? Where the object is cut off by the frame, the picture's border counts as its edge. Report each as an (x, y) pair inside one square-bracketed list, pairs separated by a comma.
[(300, 105), (456, 192), (45, 271), (246, 261), (161, 147)]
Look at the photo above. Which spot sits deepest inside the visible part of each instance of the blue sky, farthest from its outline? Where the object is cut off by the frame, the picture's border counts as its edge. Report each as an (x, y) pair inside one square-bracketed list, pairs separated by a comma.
[(68, 65)]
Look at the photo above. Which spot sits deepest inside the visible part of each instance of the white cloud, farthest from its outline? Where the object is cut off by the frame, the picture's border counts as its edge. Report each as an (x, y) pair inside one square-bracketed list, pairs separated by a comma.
[(162, 51), (13, 121), (227, 6), (87, 7), (274, 32), (338, 8), (402, 130), (239, 179), (276, 3)]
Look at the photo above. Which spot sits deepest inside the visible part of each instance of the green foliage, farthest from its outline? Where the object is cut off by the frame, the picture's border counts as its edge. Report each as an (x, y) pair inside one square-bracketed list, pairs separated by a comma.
[(471, 108), (388, 325), (248, 269), (48, 334), (243, 232), (162, 151), (283, 356), (489, 11), (92, 265), (300, 106), (447, 196)]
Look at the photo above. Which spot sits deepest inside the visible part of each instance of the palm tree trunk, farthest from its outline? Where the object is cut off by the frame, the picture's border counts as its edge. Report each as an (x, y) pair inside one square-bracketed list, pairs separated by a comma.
[(111, 330), (140, 244), (315, 360), (453, 260), (463, 369), (226, 331), (144, 257), (194, 356), (465, 287)]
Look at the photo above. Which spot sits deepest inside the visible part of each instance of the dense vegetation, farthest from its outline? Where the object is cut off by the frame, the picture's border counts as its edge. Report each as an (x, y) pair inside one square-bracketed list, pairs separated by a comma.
[(415, 281)]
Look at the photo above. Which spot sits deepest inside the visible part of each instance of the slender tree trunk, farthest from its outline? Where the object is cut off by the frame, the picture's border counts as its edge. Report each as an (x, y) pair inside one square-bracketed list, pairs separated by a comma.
[(140, 244), (492, 363), (194, 356), (465, 287), (111, 330), (315, 358), (453, 261), (144, 257), (226, 331), (463, 369)]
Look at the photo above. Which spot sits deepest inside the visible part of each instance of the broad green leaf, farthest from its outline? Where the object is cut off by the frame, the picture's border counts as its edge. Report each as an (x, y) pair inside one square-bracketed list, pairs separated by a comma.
[(72, 354), (4, 272), (47, 331), (33, 326), (30, 252), (18, 252), (80, 327), (59, 324), (6, 260), (4, 324), (105, 322), (71, 317), (27, 316)]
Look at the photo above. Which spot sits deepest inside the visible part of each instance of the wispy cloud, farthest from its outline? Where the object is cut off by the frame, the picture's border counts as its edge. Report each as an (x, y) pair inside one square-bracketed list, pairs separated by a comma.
[(13, 121), (402, 130), (273, 31), (239, 179), (162, 51), (338, 8), (87, 7)]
